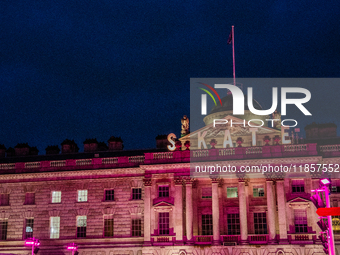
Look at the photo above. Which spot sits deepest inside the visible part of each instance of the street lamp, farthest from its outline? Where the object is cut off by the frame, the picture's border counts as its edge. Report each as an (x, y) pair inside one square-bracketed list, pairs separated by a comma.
[(73, 247), (34, 243)]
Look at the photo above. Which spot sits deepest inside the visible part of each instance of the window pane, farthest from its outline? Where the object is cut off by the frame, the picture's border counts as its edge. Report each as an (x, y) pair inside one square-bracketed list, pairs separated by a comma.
[(298, 186), (232, 192), (136, 193), (108, 226), (82, 195), (206, 193), (207, 226), (81, 226), (56, 196), (163, 191), (54, 227), (300, 221), (260, 223), (30, 198), (233, 222), (29, 228), (136, 227), (3, 229), (163, 223), (109, 195)]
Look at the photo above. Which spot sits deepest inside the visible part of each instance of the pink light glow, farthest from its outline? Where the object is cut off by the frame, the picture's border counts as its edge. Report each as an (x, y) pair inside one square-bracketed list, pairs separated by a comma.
[(29, 242), (72, 248), (325, 181)]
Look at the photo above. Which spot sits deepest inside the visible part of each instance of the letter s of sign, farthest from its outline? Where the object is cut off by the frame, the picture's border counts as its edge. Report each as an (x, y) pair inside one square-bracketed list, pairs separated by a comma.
[(171, 139)]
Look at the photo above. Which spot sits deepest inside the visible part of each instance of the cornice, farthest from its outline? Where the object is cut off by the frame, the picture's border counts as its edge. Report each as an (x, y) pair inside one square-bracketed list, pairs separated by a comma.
[(63, 174)]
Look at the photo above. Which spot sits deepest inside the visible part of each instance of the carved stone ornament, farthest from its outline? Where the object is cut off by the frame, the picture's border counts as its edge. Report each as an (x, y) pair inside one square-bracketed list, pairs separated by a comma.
[(147, 182)]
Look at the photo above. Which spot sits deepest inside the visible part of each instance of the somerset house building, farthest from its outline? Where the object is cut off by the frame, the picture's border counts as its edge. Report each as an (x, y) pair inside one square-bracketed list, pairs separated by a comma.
[(110, 201)]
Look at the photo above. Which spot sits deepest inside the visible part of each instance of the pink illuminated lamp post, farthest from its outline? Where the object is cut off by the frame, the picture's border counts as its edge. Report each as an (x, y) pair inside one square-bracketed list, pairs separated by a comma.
[(34, 243), (73, 247)]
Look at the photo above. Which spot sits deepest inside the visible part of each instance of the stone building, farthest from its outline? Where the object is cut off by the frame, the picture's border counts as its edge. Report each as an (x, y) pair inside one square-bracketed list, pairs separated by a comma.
[(110, 201)]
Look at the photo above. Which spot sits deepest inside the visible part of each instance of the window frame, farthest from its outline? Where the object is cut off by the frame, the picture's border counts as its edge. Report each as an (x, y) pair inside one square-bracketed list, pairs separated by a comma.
[(301, 223), (81, 230), (163, 193), (4, 199), (258, 187), (108, 228), (56, 197), (3, 229), (298, 186), (207, 225), (235, 187), (27, 198), (138, 194), (163, 223), (109, 197), (136, 227), (25, 228), (233, 224), (264, 225)]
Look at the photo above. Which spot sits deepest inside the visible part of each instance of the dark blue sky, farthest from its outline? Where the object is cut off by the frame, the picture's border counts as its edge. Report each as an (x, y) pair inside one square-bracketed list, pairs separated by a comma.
[(93, 69)]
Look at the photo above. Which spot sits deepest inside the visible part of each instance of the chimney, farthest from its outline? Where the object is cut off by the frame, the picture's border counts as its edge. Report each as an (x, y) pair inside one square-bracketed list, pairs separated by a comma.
[(2, 151), (22, 149), (10, 152), (90, 145), (69, 146), (115, 143), (34, 151), (52, 149), (162, 141), (102, 146)]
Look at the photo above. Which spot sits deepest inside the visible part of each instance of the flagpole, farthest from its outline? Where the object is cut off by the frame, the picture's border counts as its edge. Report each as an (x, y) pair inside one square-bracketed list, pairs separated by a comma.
[(233, 38)]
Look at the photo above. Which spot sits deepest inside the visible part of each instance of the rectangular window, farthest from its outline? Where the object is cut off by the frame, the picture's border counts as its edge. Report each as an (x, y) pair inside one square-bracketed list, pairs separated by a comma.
[(54, 227), (207, 225), (108, 225), (258, 191), (163, 223), (163, 191), (30, 198), (232, 192), (4, 199), (298, 186), (335, 186), (136, 227), (233, 221), (206, 193), (82, 195), (3, 229), (109, 195), (81, 226), (260, 223), (136, 193), (56, 196), (300, 221), (336, 224), (29, 228)]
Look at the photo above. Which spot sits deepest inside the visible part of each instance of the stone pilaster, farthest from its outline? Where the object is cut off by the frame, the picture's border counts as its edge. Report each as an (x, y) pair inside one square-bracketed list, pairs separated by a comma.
[(189, 209), (178, 217), (215, 211), (271, 211), (147, 211), (243, 210), (281, 204)]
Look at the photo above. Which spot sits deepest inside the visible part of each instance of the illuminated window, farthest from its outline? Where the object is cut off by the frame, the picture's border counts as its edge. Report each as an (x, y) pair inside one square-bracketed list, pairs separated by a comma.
[(108, 225), (207, 225), (3, 229), (54, 227), (56, 196), (109, 195), (233, 221), (206, 193), (300, 221), (4, 199), (163, 223), (136, 227), (82, 195), (298, 186), (258, 191), (260, 223), (30, 198), (336, 224), (29, 228), (232, 192), (335, 186), (136, 193), (163, 191), (81, 226)]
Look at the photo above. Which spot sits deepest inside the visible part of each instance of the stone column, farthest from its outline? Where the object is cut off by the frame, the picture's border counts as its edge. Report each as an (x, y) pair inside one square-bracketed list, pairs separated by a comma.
[(281, 206), (243, 210), (271, 211), (215, 211), (189, 210), (147, 211), (178, 222)]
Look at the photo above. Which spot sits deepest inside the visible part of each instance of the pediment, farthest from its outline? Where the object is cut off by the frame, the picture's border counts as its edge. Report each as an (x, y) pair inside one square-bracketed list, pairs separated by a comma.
[(298, 200), (162, 203)]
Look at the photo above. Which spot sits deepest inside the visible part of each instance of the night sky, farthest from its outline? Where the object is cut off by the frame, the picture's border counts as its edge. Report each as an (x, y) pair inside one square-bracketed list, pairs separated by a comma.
[(95, 69)]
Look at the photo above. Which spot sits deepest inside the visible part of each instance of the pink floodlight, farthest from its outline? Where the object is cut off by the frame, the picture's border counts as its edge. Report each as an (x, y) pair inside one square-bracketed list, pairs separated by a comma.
[(29, 242), (325, 181)]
